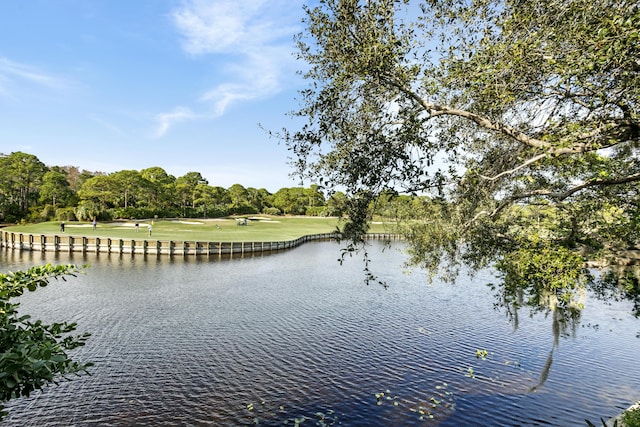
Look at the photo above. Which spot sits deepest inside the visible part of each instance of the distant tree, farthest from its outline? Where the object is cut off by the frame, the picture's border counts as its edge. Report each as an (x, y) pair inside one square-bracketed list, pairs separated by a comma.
[(205, 199), (292, 201), (239, 197), (162, 186), (258, 198), (315, 196), (131, 186), (75, 176), (398, 206), (56, 190), (220, 196), (34, 354), (215, 200), (102, 190), (20, 180), (70, 193), (186, 188), (336, 204)]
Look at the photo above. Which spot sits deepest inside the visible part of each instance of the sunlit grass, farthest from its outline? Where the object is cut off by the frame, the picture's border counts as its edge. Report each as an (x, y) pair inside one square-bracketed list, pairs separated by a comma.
[(257, 229)]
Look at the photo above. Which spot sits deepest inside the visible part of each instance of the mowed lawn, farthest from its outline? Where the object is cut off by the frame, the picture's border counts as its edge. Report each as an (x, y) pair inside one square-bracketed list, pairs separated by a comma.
[(257, 229)]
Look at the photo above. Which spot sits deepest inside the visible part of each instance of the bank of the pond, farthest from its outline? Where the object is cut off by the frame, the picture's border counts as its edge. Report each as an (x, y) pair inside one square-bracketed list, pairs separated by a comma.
[(84, 244), (617, 421)]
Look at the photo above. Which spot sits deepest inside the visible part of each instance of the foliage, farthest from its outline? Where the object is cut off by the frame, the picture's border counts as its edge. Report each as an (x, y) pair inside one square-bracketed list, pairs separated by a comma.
[(631, 418), (315, 211), (548, 276), (269, 411), (620, 282), (271, 211), (430, 409), (32, 353), (517, 122), (65, 193), (65, 214), (47, 212), (22, 175), (298, 200), (142, 213)]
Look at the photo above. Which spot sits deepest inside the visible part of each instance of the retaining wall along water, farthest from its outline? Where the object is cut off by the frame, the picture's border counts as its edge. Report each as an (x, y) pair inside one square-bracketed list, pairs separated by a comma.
[(67, 243)]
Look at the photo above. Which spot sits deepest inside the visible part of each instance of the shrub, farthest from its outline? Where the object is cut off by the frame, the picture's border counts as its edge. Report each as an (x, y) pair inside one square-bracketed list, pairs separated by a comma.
[(316, 211), (243, 210), (271, 211), (66, 214), (34, 354)]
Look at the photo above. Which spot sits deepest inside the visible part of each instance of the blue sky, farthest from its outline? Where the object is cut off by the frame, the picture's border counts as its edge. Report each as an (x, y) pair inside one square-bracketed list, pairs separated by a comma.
[(108, 85)]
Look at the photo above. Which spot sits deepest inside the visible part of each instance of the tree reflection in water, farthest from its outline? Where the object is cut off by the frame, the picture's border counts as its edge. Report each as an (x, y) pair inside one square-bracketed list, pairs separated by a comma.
[(618, 283), (563, 304)]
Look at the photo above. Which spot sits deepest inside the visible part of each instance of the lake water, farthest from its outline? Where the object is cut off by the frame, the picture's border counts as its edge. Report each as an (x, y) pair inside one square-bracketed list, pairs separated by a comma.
[(280, 338)]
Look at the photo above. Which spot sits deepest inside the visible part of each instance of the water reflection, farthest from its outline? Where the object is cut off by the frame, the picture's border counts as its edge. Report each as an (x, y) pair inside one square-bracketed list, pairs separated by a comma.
[(619, 283), (564, 306), (194, 341)]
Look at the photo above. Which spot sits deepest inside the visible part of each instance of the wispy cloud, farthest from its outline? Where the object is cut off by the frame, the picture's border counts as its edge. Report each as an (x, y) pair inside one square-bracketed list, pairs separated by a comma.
[(251, 41), (222, 26), (14, 74), (166, 120)]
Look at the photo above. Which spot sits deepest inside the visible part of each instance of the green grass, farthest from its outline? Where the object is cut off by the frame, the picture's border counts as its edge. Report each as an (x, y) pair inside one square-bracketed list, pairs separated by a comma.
[(264, 229)]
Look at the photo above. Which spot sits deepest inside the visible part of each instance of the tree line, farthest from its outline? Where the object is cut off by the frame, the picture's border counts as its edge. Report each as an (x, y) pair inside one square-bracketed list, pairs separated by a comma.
[(31, 191)]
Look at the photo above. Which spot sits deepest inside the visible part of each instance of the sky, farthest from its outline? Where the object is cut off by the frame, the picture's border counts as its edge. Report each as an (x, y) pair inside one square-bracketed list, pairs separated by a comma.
[(109, 85)]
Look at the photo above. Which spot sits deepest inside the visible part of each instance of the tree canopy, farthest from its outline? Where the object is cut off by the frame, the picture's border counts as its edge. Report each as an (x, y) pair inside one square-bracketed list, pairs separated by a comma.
[(520, 120), (31, 191)]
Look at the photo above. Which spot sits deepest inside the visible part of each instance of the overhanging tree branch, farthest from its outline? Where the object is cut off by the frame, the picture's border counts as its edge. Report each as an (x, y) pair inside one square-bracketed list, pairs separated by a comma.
[(517, 168), (500, 89), (605, 130), (561, 196)]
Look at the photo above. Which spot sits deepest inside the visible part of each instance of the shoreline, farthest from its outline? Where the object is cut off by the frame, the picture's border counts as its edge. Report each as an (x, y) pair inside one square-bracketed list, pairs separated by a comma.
[(68, 244)]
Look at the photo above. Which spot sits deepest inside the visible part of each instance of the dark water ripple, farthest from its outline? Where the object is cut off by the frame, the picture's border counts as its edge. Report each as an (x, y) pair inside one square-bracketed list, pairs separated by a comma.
[(273, 339)]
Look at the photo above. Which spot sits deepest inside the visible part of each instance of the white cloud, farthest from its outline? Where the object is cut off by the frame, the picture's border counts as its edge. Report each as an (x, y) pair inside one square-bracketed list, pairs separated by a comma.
[(250, 40), (166, 120), (213, 26), (256, 76), (231, 26)]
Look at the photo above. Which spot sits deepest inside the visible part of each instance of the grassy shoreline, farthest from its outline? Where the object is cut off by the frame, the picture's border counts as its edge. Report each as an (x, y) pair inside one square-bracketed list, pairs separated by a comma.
[(259, 228)]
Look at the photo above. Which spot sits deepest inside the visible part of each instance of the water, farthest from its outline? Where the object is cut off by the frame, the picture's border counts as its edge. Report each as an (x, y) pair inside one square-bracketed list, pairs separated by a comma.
[(275, 339)]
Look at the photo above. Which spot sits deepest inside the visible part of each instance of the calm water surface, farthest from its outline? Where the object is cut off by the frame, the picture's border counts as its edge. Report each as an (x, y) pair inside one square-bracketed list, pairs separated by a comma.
[(292, 336)]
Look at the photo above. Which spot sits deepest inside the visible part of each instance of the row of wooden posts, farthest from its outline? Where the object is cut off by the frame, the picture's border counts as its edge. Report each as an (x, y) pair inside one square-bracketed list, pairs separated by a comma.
[(66, 243)]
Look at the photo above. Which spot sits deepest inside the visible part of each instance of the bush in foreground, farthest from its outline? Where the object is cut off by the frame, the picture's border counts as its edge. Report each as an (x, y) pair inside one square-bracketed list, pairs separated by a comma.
[(34, 354)]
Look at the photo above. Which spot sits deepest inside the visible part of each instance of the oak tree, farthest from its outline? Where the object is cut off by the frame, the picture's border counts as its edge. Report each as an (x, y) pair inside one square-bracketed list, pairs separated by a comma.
[(519, 120)]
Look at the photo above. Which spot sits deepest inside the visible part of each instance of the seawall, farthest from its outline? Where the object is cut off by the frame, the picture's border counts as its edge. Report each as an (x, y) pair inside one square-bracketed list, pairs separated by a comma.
[(68, 243)]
